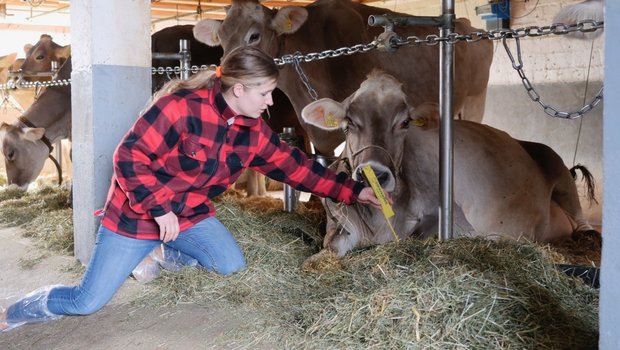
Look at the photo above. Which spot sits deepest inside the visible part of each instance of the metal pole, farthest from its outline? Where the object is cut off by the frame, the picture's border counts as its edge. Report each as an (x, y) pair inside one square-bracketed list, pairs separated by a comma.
[(291, 196), (58, 147), (185, 58), (446, 80)]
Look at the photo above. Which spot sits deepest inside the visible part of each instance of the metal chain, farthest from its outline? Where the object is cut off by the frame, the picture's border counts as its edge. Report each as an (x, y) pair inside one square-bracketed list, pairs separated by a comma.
[(11, 85), (394, 41), (535, 96), (343, 51), (177, 70), (20, 84), (304, 78), (585, 26)]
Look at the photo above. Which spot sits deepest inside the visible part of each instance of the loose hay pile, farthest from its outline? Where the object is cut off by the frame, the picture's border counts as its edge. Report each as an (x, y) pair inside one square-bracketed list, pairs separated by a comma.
[(464, 293), (459, 294), (44, 215)]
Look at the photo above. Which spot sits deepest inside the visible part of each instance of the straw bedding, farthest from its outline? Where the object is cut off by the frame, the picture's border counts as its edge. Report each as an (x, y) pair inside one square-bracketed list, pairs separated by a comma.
[(458, 294)]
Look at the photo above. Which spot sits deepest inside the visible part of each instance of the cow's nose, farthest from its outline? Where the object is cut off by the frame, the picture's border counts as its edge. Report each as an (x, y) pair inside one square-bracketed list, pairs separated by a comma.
[(383, 176)]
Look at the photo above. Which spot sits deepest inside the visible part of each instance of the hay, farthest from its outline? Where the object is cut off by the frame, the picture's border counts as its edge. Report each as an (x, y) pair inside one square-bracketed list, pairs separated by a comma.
[(43, 214), (463, 293), (11, 192)]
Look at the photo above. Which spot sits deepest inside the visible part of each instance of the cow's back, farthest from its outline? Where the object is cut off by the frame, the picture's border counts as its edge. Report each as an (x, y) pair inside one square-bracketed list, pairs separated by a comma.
[(498, 184), (333, 24)]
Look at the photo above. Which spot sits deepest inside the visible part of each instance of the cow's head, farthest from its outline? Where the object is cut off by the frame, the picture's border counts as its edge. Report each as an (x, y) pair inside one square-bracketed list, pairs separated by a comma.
[(24, 153), (376, 120), (39, 56), (250, 23)]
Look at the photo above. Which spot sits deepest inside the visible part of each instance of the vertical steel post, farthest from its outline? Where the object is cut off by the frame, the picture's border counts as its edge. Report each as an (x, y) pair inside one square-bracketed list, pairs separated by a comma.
[(291, 196), (446, 81), (184, 61)]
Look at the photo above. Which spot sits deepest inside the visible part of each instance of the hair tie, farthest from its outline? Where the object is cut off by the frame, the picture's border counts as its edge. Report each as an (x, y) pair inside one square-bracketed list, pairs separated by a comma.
[(218, 72)]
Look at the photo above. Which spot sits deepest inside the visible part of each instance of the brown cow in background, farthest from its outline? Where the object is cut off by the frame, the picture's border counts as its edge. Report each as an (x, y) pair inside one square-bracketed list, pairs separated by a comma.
[(25, 148), (39, 57), (332, 24)]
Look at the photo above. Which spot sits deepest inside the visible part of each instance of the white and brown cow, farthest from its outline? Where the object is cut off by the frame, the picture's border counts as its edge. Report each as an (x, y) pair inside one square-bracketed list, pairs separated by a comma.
[(502, 186), (332, 24), (26, 142)]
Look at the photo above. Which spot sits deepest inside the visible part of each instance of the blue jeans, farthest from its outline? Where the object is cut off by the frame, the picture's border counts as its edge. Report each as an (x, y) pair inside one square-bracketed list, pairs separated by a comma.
[(113, 259)]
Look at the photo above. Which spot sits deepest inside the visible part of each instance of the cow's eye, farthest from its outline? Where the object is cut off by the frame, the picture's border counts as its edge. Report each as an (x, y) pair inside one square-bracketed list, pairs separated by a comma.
[(40, 57), (405, 123), (254, 38), (11, 155), (348, 122)]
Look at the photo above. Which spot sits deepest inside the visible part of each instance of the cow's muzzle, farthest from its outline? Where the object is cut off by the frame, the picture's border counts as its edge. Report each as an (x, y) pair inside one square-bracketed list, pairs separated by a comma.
[(383, 173)]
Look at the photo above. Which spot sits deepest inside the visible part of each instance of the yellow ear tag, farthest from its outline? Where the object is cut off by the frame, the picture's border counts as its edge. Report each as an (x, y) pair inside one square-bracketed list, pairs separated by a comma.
[(330, 120), (386, 208), (419, 122), (289, 23)]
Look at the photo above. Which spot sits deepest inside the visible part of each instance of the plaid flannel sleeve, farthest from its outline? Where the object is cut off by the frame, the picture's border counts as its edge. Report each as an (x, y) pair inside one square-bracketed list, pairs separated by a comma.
[(290, 165)]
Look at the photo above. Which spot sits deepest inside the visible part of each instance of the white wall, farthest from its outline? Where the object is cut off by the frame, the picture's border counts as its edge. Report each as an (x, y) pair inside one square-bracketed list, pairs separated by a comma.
[(609, 306)]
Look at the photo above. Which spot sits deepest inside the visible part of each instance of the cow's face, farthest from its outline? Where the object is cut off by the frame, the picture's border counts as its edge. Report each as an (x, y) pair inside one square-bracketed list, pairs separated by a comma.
[(24, 153), (39, 57), (376, 120), (248, 23)]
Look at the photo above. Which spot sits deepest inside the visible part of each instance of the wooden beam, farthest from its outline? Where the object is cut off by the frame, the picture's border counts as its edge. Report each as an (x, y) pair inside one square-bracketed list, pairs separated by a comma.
[(35, 28)]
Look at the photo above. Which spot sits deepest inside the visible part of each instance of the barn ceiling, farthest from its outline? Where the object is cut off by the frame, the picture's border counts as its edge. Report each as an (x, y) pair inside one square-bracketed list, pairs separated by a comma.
[(22, 14)]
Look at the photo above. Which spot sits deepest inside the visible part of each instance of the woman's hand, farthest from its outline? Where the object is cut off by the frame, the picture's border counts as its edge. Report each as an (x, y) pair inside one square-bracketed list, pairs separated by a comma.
[(168, 226), (367, 196)]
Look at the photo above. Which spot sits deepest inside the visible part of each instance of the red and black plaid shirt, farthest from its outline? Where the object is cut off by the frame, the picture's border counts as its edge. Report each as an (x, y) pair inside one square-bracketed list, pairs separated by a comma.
[(190, 147)]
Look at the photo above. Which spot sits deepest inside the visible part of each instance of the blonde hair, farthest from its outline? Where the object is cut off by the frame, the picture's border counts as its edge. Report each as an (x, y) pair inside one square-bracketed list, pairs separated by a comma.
[(246, 65)]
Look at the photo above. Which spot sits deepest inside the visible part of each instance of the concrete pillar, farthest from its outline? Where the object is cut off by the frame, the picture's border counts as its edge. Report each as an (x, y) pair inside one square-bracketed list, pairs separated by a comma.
[(111, 81), (609, 305)]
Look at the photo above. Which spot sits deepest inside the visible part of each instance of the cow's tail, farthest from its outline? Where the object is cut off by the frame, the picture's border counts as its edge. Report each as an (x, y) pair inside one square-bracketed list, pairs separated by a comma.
[(588, 178)]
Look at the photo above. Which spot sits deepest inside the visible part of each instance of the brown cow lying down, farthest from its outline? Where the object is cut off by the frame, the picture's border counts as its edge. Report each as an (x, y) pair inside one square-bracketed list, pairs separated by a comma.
[(502, 186)]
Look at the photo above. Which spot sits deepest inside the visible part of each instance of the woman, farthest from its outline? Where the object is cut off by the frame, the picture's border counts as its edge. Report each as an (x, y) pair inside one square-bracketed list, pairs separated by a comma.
[(189, 146)]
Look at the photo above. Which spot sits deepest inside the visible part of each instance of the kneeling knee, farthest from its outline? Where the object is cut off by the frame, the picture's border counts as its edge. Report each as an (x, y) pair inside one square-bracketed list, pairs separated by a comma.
[(229, 269)]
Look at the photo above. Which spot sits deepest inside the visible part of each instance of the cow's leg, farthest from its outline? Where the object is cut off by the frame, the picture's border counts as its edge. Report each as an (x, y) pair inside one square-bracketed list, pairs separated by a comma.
[(565, 204), (255, 184), (567, 199)]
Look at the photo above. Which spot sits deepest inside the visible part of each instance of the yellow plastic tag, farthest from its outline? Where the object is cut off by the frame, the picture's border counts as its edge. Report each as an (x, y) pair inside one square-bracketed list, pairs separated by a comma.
[(386, 208), (289, 23), (330, 120), (419, 122)]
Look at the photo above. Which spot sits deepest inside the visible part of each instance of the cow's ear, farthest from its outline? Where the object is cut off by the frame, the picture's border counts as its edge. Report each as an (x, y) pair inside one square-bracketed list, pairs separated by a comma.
[(27, 48), (64, 52), (206, 30), (425, 116), (33, 134), (289, 19), (4, 127), (325, 113)]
